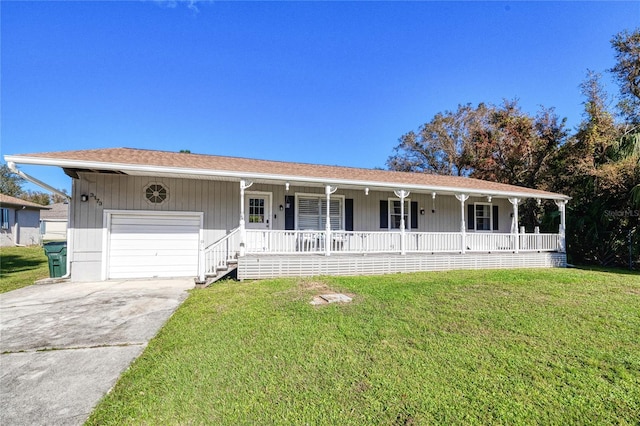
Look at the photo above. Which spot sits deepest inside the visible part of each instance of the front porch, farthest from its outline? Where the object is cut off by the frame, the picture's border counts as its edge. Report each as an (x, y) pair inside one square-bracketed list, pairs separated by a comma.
[(274, 253), (319, 236)]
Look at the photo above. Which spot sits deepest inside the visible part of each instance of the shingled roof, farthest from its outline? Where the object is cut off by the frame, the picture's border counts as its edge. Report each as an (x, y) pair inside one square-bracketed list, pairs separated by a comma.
[(7, 200), (137, 161)]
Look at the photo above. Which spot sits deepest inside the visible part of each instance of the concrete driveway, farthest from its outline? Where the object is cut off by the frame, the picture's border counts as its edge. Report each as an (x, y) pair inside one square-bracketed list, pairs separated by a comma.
[(63, 346)]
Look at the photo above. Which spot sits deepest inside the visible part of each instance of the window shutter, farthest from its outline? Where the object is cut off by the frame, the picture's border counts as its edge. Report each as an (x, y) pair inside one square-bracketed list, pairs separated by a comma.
[(471, 217), (289, 213), (495, 218), (414, 215), (348, 214), (384, 214)]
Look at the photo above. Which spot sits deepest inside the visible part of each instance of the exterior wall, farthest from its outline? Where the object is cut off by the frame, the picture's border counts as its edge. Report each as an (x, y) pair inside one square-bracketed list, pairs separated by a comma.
[(55, 230), (273, 266), (219, 201), (7, 236), (24, 228), (366, 214)]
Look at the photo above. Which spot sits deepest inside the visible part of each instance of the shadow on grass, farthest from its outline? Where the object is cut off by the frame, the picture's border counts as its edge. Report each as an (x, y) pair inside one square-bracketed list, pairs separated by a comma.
[(614, 270), (12, 264)]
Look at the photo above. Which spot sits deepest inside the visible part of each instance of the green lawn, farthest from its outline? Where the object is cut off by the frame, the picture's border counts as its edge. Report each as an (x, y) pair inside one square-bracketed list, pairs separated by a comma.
[(464, 347), (21, 266)]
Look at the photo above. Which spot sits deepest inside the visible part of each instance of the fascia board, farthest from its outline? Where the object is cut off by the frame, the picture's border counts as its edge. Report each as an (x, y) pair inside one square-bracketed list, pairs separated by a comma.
[(253, 175)]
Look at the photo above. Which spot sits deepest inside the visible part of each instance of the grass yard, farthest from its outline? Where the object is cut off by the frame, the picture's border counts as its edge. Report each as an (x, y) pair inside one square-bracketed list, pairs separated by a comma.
[(21, 266), (547, 346)]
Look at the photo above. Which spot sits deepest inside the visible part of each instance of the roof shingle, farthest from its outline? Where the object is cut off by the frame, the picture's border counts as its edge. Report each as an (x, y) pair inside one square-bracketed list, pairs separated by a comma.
[(139, 157)]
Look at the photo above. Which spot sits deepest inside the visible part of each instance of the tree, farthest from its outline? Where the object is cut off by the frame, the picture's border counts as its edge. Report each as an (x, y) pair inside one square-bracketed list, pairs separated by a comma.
[(598, 169), (627, 72), (37, 197), (10, 183), (55, 198), (513, 147), (441, 146)]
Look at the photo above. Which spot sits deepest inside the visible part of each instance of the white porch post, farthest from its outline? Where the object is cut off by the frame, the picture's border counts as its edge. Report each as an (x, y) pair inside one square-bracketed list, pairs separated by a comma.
[(562, 231), (402, 194), (328, 190), (243, 232), (463, 225), (514, 223)]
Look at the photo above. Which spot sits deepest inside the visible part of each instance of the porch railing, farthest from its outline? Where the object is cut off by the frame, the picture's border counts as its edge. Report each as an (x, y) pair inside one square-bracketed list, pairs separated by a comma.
[(282, 242), (218, 254)]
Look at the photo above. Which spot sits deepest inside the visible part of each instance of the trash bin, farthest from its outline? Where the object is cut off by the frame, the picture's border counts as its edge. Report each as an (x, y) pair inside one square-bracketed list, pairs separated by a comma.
[(56, 251)]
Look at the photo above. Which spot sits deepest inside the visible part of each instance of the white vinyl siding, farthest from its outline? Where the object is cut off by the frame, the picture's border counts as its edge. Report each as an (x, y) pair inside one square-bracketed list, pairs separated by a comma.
[(145, 245), (312, 212)]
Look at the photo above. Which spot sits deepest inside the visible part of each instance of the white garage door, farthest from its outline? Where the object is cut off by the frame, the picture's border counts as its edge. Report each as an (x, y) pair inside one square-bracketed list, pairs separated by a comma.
[(145, 245)]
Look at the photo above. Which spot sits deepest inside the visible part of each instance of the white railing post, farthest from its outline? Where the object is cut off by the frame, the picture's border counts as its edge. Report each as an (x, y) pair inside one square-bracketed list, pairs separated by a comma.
[(243, 231), (463, 224), (402, 194), (328, 190), (562, 248), (514, 224)]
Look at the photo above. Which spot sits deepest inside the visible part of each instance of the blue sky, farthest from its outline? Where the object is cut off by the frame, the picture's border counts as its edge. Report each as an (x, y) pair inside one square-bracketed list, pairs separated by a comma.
[(318, 82)]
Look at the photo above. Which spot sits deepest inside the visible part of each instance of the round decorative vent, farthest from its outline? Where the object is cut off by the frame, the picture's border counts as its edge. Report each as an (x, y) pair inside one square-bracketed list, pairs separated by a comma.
[(155, 193)]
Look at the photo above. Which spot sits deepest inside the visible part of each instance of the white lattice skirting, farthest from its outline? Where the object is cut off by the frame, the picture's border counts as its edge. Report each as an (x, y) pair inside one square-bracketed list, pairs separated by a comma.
[(273, 266)]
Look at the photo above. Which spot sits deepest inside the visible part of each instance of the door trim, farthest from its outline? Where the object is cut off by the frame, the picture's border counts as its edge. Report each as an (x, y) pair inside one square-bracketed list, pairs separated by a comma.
[(268, 213)]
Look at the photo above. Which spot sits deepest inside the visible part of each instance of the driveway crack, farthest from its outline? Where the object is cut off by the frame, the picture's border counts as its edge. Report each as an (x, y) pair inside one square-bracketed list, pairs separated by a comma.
[(72, 348)]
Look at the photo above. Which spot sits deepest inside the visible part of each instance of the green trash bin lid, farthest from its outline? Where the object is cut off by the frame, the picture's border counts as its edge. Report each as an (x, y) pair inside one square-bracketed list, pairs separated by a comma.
[(55, 247)]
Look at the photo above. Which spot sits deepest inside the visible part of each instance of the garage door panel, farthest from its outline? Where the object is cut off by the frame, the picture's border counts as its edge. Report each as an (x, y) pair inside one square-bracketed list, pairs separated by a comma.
[(153, 245), (138, 245)]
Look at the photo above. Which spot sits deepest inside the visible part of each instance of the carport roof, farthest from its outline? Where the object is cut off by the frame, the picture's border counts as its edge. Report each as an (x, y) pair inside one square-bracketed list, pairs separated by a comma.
[(140, 162)]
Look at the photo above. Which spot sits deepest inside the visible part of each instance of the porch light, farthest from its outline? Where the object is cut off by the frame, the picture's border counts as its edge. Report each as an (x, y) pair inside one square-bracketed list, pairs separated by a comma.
[(366, 191), (84, 198), (488, 198), (422, 211), (281, 207), (286, 186)]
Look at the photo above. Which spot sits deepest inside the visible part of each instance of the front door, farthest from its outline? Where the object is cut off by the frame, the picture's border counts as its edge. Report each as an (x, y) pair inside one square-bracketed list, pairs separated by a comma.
[(257, 217)]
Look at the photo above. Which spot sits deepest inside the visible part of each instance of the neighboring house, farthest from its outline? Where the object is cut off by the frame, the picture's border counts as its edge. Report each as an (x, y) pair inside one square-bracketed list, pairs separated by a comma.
[(141, 213), (53, 222), (19, 221)]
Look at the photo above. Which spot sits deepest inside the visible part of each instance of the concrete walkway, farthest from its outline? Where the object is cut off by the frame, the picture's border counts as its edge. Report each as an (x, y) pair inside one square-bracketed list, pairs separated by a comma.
[(63, 346)]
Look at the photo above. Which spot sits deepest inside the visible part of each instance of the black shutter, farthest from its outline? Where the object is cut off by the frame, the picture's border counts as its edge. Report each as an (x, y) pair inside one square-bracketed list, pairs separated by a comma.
[(495, 218), (348, 214), (414, 215), (384, 214), (289, 213), (470, 217)]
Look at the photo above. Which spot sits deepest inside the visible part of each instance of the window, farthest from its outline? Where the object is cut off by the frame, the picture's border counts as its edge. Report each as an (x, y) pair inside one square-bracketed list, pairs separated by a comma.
[(155, 193), (395, 213), (4, 218), (312, 212), (483, 217), (256, 210)]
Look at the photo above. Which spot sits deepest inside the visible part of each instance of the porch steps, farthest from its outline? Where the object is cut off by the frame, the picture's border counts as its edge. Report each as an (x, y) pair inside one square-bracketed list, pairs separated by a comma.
[(221, 272)]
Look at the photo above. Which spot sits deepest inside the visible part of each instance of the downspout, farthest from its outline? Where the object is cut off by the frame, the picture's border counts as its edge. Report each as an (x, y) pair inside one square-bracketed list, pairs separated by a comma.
[(14, 169)]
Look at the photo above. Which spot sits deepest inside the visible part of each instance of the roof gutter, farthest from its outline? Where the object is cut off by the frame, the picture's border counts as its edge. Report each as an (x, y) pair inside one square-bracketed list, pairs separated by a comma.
[(14, 169), (253, 175)]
